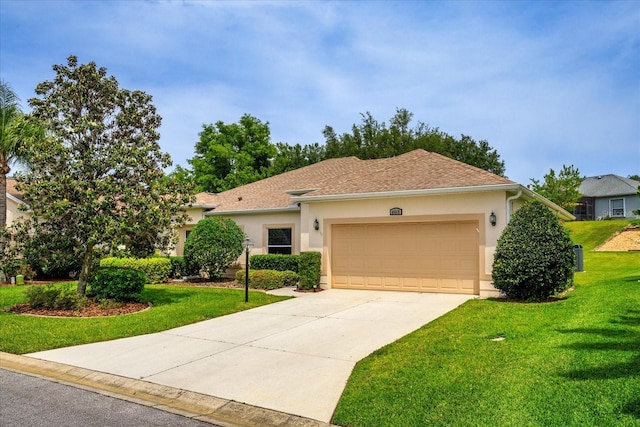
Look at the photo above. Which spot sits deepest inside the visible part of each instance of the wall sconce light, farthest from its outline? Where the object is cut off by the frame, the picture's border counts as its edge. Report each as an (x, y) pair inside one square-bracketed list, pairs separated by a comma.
[(492, 219), (316, 224)]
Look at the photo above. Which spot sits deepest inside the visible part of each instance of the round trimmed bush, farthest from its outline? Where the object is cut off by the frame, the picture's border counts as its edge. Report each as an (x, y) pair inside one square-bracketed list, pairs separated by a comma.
[(119, 284), (213, 245), (534, 256)]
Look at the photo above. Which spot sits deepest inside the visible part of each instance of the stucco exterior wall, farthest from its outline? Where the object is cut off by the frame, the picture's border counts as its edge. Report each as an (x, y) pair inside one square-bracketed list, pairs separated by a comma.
[(195, 215), (255, 226), (476, 206)]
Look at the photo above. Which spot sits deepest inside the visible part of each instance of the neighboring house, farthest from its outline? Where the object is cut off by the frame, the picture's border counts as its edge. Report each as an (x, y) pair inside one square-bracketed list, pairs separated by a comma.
[(416, 222), (14, 201), (607, 196)]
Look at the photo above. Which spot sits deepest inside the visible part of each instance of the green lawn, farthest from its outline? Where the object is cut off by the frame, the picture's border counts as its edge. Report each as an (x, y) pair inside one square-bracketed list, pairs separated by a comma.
[(172, 306), (575, 362)]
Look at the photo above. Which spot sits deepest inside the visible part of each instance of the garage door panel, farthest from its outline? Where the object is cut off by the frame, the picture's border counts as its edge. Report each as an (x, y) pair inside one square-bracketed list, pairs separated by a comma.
[(468, 284), (392, 283), (427, 257), (410, 283), (429, 284), (449, 284)]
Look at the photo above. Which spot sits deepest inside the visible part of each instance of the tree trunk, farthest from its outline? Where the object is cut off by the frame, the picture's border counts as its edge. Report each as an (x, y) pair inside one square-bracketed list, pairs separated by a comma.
[(3, 196), (3, 206), (85, 271)]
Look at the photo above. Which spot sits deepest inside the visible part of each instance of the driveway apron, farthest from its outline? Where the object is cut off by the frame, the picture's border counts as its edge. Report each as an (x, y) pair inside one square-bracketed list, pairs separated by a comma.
[(294, 356)]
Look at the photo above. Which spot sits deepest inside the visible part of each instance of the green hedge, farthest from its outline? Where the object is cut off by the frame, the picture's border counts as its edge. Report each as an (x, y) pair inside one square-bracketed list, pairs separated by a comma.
[(268, 279), (119, 284), (277, 262), (310, 269), (156, 269)]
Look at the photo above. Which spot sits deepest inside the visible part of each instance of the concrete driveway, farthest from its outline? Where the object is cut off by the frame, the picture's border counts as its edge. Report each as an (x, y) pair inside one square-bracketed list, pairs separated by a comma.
[(293, 356)]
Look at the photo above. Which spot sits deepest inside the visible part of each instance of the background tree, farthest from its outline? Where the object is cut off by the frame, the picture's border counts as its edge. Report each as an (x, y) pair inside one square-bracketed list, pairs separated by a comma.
[(213, 245), (230, 155), (99, 176), (534, 257), (561, 189), (374, 140), (291, 157)]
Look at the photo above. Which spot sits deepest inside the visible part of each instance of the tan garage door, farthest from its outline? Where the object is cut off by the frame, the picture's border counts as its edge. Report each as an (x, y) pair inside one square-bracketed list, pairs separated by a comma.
[(421, 257)]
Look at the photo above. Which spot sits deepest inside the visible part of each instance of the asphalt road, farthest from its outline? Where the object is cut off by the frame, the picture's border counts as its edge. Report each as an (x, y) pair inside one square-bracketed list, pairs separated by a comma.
[(27, 401)]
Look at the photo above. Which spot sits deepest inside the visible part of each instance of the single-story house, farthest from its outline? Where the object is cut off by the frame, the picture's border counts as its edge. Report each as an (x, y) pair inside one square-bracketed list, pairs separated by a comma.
[(416, 222), (607, 196)]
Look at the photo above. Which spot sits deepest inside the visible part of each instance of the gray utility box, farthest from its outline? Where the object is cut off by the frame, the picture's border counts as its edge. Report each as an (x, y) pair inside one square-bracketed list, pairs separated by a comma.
[(579, 250)]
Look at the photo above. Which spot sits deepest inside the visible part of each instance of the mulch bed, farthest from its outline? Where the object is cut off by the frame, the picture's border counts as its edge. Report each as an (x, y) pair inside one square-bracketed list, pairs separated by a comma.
[(92, 309)]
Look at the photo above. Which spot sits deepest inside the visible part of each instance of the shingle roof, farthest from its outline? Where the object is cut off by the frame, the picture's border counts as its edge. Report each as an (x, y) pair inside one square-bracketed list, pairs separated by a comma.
[(416, 170), (11, 189), (608, 185)]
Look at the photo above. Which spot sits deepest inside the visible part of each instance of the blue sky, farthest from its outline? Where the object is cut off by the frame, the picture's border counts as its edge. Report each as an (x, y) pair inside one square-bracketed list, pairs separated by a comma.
[(545, 83)]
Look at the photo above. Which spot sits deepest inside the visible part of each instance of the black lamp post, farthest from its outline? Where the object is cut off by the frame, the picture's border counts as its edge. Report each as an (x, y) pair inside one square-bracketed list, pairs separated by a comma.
[(246, 245)]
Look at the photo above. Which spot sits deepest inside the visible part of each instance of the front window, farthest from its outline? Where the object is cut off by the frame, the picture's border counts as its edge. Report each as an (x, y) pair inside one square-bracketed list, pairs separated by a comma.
[(617, 207), (279, 241)]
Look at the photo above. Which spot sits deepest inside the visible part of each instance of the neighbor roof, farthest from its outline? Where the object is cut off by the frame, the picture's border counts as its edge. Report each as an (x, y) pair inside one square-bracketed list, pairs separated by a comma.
[(205, 200), (608, 185), (416, 170), (12, 192)]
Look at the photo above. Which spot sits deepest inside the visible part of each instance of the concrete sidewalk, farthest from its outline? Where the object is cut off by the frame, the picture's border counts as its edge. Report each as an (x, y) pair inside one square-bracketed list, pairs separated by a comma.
[(293, 356)]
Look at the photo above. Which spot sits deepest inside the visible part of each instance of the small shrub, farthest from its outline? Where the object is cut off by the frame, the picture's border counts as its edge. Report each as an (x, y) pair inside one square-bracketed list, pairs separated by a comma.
[(68, 299), (267, 279), (534, 257), (277, 262), (213, 245), (42, 296), (119, 284), (54, 297), (156, 269), (310, 269)]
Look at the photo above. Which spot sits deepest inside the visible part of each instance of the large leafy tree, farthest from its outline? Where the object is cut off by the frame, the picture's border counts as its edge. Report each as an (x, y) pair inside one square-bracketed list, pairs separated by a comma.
[(99, 176), (230, 155), (373, 140), (562, 189)]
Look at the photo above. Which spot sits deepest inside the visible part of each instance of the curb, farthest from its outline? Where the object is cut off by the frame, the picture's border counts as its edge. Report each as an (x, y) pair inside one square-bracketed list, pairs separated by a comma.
[(223, 412)]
